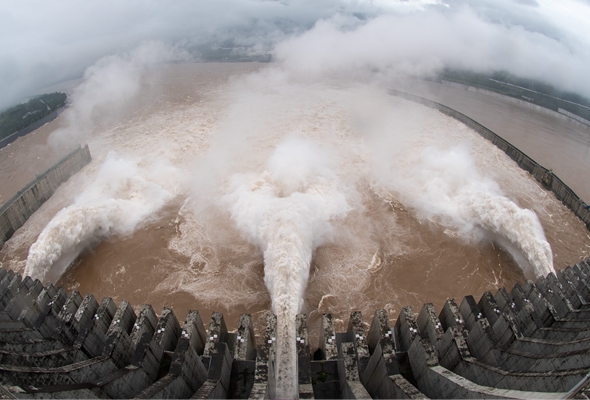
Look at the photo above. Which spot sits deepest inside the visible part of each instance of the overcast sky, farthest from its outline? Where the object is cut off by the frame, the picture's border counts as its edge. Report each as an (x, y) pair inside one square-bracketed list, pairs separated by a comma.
[(42, 43)]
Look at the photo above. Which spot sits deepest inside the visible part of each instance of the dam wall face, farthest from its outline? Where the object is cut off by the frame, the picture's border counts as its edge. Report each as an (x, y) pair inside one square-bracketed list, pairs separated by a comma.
[(15, 212), (546, 177), (530, 342)]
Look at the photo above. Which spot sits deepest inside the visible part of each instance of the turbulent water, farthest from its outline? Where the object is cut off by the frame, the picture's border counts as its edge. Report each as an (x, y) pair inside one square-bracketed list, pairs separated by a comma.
[(240, 189), (287, 211), (447, 186), (120, 198)]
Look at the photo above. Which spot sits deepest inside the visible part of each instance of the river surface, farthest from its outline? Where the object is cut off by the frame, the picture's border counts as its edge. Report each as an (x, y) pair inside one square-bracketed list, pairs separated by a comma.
[(195, 127)]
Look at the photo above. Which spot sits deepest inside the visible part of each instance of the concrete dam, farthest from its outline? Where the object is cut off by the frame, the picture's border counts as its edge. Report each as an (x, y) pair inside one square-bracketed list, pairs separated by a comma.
[(15, 212), (528, 341)]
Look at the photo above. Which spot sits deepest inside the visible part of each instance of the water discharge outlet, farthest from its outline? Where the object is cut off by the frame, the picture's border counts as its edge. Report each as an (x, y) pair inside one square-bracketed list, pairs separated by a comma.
[(288, 212)]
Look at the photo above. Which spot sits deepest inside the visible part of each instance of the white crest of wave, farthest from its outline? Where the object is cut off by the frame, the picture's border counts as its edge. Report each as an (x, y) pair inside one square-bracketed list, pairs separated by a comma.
[(521, 227), (288, 211), (123, 196), (447, 187)]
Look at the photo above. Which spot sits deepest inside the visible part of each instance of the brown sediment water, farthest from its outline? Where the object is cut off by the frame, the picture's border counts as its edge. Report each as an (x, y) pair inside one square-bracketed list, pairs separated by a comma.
[(190, 255), (27, 156), (547, 138)]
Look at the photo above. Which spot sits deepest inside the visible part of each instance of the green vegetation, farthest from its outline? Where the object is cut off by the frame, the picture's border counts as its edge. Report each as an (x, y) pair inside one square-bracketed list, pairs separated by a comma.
[(19, 117), (530, 90)]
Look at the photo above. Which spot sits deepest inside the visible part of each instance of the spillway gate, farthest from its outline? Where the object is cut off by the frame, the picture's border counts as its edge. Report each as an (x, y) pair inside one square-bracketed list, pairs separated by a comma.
[(530, 342)]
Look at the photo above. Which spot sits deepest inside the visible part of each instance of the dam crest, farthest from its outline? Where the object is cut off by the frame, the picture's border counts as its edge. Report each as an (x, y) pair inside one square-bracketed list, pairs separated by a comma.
[(528, 342)]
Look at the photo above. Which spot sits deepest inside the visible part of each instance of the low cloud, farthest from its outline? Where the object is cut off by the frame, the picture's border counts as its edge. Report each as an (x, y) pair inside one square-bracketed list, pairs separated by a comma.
[(44, 43), (424, 42)]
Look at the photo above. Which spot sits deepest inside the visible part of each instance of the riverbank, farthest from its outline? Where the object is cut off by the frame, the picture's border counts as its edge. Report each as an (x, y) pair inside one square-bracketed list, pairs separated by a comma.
[(35, 125)]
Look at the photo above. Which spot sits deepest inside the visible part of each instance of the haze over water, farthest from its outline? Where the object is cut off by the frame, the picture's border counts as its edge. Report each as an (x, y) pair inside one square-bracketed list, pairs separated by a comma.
[(233, 187), (297, 186)]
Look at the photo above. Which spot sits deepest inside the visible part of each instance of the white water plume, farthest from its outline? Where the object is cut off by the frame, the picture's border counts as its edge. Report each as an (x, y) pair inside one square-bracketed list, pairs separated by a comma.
[(288, 211), (107, 90), (520, 227), (447, 188), (123, 196)]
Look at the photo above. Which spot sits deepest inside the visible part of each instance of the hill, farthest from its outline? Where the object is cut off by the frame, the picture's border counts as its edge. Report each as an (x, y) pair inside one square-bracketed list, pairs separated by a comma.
[(21, 116)]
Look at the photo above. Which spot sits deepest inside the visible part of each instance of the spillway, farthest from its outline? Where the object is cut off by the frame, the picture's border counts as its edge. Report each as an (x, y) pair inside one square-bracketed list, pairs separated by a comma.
[(191, 252)]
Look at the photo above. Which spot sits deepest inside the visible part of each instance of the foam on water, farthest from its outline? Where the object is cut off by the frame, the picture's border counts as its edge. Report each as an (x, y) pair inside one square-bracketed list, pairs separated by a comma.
[(288, 212), (520, 227), (446, 187), (120, 199)]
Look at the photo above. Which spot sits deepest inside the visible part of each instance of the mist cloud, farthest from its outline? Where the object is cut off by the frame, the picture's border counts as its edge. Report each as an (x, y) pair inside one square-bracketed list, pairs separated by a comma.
[(43, 43), (107, 88), (446, 187), (123, 196), (422, 43)]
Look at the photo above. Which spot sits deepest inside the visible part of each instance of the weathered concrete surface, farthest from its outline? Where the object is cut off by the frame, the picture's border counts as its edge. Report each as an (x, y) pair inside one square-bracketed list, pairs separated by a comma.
[(328, 345), (504, 346), (264, 353), (245, 347), (19, 208)]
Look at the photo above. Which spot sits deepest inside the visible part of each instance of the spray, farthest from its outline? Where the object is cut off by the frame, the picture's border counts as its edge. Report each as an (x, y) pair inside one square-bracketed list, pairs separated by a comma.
[(296, 198), (446, 187), (517, 230), (122, 197), (288, 211)]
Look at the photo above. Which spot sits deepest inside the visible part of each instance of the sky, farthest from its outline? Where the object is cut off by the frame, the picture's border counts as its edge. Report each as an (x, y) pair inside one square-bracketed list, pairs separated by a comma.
[(43, 43)]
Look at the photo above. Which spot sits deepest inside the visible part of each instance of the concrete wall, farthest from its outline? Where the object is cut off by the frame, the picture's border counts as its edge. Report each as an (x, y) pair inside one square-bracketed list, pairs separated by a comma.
[(21, 206), (563, 114), (531, 342), (541, 174), (574, 116)]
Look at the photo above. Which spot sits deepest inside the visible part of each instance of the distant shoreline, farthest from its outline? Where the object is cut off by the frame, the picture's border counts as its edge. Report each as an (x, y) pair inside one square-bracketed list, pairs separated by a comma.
[(35, 125)]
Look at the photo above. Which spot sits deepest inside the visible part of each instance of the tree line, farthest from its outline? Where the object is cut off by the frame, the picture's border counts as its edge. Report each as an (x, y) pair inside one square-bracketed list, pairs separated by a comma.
[(22, 115)]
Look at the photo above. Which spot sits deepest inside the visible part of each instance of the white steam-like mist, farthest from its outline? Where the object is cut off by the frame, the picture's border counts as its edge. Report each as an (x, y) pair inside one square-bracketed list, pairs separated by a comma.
[(422, 43), (107, 89), (127, 190), (288, 211), (123, 196), (446, 187), (286, 194), (44, 43)]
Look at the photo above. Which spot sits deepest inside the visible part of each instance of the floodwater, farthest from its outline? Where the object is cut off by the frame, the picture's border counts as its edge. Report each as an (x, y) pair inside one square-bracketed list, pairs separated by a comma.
[(26, 157), (207, 123), (553, 142)]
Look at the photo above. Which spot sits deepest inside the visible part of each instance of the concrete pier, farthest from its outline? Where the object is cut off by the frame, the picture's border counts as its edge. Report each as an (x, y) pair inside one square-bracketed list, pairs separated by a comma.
[(531, 341), (15, 212)]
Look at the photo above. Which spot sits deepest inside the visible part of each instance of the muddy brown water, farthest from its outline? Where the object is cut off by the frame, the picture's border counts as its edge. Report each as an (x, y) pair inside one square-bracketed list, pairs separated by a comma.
[(555, 143), (396, 259)]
